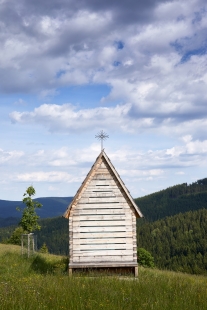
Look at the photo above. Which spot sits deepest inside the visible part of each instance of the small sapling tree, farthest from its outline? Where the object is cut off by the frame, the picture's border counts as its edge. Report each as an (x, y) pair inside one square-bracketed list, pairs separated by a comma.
[(44, 248), (29, 220)]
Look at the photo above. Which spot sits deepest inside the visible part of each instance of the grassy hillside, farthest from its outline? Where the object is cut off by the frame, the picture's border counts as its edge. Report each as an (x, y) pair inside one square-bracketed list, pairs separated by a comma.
[(173, 200), (52, 206), (41, 282)]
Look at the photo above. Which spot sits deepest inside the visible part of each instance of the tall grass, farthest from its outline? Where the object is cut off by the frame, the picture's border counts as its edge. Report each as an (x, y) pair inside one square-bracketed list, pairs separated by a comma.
[(41, 282)]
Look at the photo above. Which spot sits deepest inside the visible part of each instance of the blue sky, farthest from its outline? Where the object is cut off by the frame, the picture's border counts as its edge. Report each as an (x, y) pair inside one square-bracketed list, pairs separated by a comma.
[(135, 69)]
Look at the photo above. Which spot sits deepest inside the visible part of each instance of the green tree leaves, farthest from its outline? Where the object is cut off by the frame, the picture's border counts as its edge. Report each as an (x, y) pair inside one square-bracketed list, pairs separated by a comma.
[(44, 248), (29, 220), (145, 259), (16, 236)]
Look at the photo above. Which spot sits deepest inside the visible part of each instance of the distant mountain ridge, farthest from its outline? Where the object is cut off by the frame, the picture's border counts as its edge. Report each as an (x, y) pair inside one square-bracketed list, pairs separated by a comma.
[(52, 207), (173, 200), (168, 202)]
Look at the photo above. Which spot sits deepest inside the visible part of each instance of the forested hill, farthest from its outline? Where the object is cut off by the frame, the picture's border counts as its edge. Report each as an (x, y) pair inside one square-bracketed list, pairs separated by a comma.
[(178, 242), (173, 200)]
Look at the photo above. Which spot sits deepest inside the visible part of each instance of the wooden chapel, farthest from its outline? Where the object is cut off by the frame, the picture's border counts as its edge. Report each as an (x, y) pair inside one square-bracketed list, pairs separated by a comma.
[(102, 221)]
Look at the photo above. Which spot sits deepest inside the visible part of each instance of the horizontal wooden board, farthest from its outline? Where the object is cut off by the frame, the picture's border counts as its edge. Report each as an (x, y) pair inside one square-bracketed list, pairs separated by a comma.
[(103, 205), (101, 217), (102, 189), (97, 247), (98, 235), (103, 241), (95, 211), (104, 192), (99, 194), (101, 166), (101, 177), (103, 223), (104, 264), (107, 230), (103, 199), (102, 171), (105, 187), (101, 252), (106, 181), (102, 259), (103, 229)]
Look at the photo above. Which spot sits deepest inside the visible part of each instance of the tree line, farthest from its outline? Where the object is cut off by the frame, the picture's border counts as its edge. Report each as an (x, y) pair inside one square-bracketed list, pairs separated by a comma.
[(173, 200)]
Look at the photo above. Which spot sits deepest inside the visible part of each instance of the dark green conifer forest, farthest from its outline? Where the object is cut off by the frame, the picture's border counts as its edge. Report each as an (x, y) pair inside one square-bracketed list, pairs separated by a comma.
[(173, 200), (177, 242)]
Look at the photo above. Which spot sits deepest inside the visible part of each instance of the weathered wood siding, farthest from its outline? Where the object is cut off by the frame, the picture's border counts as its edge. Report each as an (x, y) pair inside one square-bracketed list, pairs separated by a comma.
[(102, 224)]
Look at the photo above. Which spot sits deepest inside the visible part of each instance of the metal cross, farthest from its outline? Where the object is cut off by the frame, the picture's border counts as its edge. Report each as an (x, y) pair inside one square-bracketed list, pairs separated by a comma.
[(101, 136)]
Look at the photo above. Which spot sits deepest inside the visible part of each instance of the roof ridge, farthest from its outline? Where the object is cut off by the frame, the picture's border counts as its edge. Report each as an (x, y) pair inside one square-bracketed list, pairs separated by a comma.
[(81, 188)]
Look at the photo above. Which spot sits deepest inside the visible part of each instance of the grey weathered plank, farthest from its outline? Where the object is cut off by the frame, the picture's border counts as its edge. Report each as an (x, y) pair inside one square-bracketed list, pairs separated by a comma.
[(95, 211), (101, 217), (102, 177), (103, 205), (96, 247), (98, 194), (105, 179), (103, 171), (103, 234), (103, 259), (104, 264), (103, 229), (104, 199), (99, 187), (128, 240), (103, 223)]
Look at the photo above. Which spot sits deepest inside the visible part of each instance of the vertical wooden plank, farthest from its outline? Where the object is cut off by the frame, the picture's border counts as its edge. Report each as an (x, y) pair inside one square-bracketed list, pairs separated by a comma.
[(70, 239), (134, 238), (136, 272), (22, 245), (70, 272), (28, 245)]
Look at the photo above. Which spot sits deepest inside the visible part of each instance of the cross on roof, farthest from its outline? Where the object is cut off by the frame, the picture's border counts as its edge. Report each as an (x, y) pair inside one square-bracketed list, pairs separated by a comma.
[(101, 136)]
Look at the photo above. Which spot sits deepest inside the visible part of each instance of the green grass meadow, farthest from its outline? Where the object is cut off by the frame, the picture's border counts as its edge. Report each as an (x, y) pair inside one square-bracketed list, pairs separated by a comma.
[(42, 282)]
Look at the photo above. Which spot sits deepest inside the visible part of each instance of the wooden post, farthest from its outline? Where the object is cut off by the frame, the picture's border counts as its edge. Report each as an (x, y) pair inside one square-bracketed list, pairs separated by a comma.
[(28, 246), (33, 248), (70, 272), (22, 244), (136, 272)]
